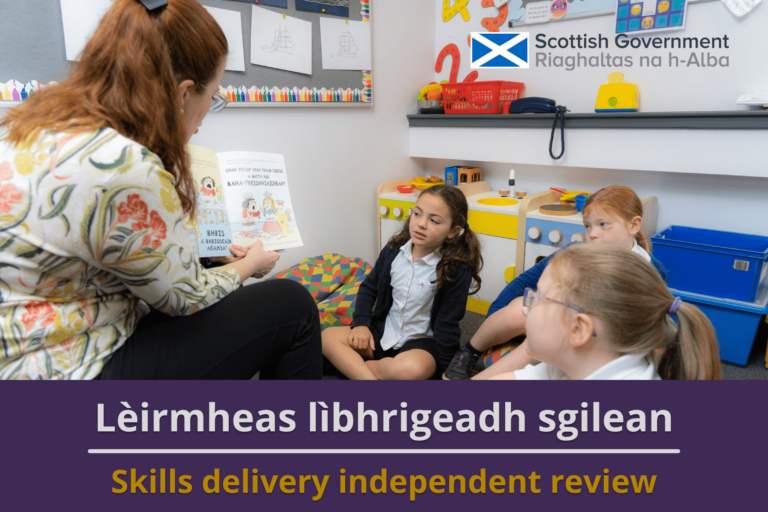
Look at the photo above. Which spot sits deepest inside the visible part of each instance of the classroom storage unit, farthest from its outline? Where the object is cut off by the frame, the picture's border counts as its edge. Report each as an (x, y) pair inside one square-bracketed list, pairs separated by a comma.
[(714, 263)]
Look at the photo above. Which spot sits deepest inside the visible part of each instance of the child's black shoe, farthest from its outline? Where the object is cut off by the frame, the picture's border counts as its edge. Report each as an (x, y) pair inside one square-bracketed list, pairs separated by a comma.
[(461, 365)]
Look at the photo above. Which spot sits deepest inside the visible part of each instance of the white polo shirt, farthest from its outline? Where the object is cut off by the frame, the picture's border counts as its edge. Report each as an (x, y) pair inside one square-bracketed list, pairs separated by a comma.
[(626, 367), (413, 293), (639, 250)]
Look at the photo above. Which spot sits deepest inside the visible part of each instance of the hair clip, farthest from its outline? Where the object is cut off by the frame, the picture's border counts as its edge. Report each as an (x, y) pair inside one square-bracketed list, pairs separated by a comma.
[(151, 5), (675, 305)]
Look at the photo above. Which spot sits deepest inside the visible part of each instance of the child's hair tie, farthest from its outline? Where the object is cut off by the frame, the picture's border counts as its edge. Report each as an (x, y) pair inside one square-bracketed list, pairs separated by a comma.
[(466, 226), (675, 305)]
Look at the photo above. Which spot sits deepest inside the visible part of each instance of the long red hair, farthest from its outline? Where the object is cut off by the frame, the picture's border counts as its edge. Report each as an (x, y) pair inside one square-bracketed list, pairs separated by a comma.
[(619, 202), (127, 79)]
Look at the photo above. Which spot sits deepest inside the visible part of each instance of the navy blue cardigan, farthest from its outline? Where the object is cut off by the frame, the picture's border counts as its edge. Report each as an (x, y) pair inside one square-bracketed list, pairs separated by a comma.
[(447, 309), (530, 278)]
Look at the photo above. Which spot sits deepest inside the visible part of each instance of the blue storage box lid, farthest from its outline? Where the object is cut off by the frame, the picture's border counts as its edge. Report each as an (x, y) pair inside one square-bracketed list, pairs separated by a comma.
[(759, 307), (725, 242)]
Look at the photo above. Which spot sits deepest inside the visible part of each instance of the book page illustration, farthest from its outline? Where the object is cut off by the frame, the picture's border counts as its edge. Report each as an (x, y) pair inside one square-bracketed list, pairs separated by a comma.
[(258, 201), (209, 230)]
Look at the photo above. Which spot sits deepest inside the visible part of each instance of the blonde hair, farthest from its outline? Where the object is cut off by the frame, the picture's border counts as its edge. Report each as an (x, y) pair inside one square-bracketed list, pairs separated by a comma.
[(632, 302), (621, 202)]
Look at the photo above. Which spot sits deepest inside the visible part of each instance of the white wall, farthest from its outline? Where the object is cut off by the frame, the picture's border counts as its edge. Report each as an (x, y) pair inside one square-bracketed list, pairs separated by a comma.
[(661, 89)]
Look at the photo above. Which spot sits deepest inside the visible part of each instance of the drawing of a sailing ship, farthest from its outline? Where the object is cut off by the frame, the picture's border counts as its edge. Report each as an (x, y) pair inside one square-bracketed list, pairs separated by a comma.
[(282, 42), (347, 46)]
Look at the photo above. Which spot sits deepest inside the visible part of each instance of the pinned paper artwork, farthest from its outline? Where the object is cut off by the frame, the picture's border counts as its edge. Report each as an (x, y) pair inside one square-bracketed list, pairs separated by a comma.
[(231, 24), (740, 7), (345, 45), (80, 19), (279, 41), (329, 7)]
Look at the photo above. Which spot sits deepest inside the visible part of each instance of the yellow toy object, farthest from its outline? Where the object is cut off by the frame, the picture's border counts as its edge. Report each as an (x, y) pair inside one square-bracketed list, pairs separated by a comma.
[(616, 96), (571, 196), (421, 182), (427, 88)]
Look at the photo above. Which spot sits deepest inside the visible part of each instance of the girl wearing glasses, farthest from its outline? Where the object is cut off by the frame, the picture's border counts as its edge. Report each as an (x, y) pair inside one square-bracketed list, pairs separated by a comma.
[(97, 274), (612, 216), (601, 312)]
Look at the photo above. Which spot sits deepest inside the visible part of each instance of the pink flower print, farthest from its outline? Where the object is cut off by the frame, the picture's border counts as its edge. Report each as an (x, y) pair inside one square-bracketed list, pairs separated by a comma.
[(135, 209), (9, 196), (159, 230), (38, 311), (5, 171)]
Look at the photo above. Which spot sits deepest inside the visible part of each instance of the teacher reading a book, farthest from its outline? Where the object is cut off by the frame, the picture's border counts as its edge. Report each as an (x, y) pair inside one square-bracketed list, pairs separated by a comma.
[(98, 278)]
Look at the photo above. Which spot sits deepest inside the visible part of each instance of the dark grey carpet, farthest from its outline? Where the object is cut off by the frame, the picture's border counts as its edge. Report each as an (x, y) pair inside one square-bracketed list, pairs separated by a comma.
[(754, 370)]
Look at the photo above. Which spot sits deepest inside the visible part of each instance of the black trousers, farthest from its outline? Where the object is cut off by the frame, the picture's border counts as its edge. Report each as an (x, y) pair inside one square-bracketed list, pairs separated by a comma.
[(271, 328)]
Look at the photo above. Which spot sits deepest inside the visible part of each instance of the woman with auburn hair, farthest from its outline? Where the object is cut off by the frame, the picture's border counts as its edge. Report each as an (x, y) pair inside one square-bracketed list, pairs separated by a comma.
[(98, 278)]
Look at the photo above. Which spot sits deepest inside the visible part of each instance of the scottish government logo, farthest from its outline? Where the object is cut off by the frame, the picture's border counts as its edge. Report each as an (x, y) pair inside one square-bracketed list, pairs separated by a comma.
[(500, 50)]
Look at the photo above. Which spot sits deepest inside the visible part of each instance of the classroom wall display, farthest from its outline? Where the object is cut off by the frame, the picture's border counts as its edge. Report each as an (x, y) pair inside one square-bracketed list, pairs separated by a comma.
[(345, 44), (331, 7), (79, 19), (642, 16), (271, 3), (232, 25), (280, 41), (528, 12), (43, 59)]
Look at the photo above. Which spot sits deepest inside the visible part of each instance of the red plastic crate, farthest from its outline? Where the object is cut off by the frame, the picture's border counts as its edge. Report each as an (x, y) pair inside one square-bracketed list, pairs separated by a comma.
[(479, 97)]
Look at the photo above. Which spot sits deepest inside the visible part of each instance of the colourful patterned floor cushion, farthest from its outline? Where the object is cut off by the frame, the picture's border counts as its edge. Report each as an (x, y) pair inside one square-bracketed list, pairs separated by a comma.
[(333, 280), (493, 354)]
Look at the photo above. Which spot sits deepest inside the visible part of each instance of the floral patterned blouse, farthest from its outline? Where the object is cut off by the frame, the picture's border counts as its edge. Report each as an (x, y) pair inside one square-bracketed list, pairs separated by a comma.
[(91, 233)]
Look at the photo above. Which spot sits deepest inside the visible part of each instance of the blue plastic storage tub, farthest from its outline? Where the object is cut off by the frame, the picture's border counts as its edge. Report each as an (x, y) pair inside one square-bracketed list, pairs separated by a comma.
[(735, 323), (713, 263)]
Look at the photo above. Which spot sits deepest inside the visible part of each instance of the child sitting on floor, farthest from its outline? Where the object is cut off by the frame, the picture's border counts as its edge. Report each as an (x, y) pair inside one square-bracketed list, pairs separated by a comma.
[(600, 313), (419, 285), (613, 216)]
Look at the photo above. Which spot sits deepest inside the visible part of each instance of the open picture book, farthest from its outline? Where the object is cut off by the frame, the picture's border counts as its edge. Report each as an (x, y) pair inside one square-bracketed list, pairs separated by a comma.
[(242, 197)]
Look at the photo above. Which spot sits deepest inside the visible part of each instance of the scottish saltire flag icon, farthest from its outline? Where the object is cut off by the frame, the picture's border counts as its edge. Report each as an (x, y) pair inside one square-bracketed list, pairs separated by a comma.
[(499, 50)]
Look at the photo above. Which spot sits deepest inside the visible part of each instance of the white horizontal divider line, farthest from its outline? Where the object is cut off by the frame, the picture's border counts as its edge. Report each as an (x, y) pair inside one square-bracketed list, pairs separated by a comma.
[(383, 451)]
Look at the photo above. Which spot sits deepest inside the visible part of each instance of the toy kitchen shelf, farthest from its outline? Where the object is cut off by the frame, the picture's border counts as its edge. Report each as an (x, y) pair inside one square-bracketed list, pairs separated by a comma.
[(721, 143)]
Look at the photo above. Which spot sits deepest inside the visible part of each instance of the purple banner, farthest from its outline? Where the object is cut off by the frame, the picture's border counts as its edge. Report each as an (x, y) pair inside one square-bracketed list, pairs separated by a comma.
[(376, 446)]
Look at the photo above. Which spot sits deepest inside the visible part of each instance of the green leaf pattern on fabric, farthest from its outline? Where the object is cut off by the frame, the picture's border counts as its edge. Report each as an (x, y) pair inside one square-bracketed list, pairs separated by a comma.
[(91, 234)]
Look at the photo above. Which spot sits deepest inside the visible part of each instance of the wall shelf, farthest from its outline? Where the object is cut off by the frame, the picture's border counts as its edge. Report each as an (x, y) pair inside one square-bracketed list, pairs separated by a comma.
[(735, 120), (715, 143)]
